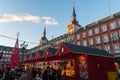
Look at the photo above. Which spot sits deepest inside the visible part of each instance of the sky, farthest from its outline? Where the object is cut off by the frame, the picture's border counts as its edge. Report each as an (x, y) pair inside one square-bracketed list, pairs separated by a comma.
[(28, 17)]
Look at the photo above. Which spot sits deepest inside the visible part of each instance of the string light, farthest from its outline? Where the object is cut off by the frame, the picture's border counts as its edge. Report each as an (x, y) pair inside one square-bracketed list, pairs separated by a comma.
[(19, 40)]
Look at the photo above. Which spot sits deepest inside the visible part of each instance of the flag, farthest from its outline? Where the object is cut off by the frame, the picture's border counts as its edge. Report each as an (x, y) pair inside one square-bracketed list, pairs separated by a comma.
[(1, 54), (15, 59)]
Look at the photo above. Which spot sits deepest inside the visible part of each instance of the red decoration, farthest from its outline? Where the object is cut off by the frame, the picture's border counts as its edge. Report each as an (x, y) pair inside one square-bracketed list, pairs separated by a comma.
[(15, 60), (82, 58)]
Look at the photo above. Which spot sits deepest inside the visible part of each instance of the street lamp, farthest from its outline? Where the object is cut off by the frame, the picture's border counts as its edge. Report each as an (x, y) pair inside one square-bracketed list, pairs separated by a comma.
[(23, 46)]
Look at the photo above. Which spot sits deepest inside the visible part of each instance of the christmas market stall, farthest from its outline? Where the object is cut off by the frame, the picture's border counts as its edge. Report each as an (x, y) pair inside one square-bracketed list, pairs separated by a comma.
[(79, 62), (31, 59)]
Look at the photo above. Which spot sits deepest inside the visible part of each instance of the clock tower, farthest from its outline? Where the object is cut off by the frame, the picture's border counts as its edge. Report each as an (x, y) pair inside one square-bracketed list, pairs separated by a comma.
[(74, 25)]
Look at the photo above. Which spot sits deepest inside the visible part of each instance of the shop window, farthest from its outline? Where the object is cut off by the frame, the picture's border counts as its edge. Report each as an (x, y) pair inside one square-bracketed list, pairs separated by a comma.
[(113, 25), (96, 30), (90, 41), (78, 36), (90, 32), (105, 38), (84, 43), (114, 36), (104, 28), (97, 39), (84, 35)]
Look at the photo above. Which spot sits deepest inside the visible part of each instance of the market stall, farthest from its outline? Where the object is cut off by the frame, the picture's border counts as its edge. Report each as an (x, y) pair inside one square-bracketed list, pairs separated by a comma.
[(79, 62)]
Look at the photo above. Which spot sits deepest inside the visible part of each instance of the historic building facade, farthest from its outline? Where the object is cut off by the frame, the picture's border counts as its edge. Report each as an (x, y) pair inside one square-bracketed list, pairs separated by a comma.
[(103, 34), (68, 37), (7, 51)]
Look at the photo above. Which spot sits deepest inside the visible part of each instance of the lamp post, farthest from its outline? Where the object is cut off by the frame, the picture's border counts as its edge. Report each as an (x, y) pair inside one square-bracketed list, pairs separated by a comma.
[(23, 46)]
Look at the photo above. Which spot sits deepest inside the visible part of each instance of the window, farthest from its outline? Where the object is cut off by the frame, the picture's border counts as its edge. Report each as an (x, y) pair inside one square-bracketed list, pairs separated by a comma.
[(97, 39), (119, 23), (72, 38), (78, 37), (114, 35), (107, 48), (96, 30), (84, 35), (116, 47), (105, 38), (71, 30), (104, 28), (113, 25), (90, 32), (78, 43), (62, 49), (90, 41), (84, 43)]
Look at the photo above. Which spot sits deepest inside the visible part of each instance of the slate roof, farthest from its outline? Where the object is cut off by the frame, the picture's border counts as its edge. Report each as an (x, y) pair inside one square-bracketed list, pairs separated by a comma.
[(6, 48), (33, 54), (78, 48), (52, 50), (41, 52), (27, 55)]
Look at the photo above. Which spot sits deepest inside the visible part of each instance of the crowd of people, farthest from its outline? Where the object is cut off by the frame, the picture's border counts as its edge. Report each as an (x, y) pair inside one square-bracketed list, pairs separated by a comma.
[(49, 73)]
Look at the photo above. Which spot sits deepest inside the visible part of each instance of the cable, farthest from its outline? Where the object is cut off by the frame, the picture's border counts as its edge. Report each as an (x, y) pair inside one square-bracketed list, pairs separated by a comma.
[(19, 40)]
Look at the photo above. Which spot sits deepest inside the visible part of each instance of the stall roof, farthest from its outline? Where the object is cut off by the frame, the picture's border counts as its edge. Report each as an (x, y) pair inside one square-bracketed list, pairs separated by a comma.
[(52, 50), (33, 54), (27, 56), (49, 52), (78, 48), (41, 52)]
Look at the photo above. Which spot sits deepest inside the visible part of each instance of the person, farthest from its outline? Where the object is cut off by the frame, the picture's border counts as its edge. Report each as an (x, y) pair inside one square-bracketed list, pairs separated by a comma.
[(64, 76), (1, 73), (28, 72), (46, 72), (118, 72), (23, 75)]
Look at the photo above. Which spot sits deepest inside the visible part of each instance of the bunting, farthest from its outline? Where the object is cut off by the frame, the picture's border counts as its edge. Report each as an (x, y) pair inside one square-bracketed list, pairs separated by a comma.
[(15, 59)]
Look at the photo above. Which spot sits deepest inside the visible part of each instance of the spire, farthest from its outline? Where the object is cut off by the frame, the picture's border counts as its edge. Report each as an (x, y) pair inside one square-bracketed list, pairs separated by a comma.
[(43, 39), (44, 33), (74, 16)]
